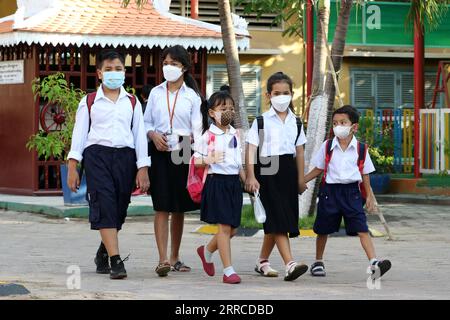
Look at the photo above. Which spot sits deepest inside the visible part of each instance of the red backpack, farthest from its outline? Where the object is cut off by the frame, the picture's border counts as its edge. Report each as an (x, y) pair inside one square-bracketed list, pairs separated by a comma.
[(197, 175), (362, 151)]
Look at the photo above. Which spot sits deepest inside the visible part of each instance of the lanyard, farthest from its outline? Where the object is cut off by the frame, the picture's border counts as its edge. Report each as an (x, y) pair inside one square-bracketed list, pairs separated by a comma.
[(173, 108)]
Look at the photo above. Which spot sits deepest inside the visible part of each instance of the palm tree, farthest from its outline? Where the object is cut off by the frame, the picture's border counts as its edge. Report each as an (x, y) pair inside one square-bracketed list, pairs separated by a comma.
[(233, 64)]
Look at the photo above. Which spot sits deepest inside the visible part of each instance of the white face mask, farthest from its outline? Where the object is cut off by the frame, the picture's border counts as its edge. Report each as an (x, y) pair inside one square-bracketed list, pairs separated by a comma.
[(172, 73), (281, 103), (342, 132)]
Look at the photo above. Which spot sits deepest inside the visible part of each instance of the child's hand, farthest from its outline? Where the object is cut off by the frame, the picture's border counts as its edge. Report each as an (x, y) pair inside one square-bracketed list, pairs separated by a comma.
[(302, 187), (142, 180), (73, 179), (160, 141), (251, 184), (371, 204), (215, 157)]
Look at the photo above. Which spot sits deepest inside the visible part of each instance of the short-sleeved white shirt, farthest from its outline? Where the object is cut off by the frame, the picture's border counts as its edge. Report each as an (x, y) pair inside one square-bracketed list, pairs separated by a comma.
[(343, 166), (279, 136), (223, 142)]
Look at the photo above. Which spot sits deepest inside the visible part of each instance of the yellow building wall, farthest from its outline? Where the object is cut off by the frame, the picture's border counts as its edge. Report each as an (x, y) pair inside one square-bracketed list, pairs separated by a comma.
[(7, 7), (396, 64), (290, 61)]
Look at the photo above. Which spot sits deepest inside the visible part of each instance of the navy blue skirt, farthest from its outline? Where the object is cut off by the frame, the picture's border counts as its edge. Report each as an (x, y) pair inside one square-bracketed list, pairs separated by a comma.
[(222, 200)]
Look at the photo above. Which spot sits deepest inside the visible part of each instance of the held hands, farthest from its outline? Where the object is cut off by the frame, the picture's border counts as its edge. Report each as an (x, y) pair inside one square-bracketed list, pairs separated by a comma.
[(302, 187), (159, 140), (251, 184), (142, 180)]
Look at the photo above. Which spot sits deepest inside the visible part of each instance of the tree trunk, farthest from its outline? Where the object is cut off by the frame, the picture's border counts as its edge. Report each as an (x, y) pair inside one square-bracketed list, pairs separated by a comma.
[(318, 106), (233, 64), (337, 52)]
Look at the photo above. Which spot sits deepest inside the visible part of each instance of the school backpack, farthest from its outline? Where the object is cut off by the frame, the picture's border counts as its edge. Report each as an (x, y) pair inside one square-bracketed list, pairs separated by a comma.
[(90, 98), (362, 151), (260, 123), (197, 175)]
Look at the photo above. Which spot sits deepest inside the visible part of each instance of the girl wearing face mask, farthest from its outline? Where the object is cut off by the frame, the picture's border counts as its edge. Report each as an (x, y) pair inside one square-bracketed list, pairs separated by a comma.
[(221, 201), (173, 121), (276, 141)]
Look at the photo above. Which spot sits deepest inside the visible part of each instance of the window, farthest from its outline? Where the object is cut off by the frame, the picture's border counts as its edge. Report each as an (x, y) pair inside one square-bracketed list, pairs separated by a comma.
[(388, 89), (208, 12), (251, 81)]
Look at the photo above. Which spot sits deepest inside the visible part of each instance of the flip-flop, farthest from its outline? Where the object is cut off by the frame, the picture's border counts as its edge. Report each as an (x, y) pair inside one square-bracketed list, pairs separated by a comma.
[(163, 269), (180, 267)]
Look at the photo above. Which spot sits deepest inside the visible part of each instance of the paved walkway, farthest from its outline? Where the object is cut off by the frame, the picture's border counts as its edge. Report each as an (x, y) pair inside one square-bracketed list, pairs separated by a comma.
[(37, 251)]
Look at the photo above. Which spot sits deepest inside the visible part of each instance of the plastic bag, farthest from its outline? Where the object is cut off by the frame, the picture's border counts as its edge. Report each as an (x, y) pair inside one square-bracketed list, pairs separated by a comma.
[(258, 208)]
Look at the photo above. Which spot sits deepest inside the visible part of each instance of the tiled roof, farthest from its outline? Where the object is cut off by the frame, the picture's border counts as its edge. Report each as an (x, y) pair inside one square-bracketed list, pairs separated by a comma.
[(106, 22), (108, 17)]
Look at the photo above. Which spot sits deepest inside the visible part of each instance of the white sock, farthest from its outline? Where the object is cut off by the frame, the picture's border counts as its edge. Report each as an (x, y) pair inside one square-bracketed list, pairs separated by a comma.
[(290, 265), (208, 255), (228, 271), (373, 261)]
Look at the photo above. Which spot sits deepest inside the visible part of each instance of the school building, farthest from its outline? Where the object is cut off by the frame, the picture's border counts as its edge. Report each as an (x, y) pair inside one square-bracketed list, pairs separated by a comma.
[(377, 74)]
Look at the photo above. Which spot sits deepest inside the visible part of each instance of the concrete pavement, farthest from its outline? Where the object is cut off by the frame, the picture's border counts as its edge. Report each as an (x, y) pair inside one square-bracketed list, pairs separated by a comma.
[(37, 252)]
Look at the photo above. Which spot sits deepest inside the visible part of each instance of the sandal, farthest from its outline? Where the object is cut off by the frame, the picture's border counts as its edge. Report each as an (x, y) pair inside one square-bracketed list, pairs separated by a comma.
[(163, 269), (295, 270), (180, 267), (268, 271)]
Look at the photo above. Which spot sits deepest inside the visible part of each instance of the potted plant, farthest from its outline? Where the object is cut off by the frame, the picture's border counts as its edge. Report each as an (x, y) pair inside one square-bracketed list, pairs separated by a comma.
[(55, 90), (381, 152)]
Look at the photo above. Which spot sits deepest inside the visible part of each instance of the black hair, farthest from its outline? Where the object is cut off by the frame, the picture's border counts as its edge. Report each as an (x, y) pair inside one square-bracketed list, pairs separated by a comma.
[(349, 110), (226, 88), (216, 99), (180, 54), (109, 54), (146, 90), (278, 77)]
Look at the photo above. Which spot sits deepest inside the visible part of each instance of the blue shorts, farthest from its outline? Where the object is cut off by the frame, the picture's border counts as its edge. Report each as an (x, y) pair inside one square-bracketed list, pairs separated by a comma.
[(110, 178), (337, 201)]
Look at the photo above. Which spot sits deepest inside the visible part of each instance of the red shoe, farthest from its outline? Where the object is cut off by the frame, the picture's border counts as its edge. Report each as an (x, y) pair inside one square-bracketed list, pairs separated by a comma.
[(233, 279), (207, 266)]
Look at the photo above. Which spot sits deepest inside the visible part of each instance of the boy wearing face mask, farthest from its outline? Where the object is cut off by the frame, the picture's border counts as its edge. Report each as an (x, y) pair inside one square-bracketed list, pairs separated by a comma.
[(109, 136), (340, 194), (278, 174)]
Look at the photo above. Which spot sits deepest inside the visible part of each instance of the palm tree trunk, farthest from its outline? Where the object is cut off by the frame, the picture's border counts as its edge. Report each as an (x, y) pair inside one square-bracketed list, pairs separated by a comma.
[(233, 64), (318, 106)]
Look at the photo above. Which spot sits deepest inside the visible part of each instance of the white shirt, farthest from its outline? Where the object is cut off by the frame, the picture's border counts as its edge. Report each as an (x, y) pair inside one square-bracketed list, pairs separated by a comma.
[(187, 118), (223, 143), (343, 166), (110, 126), (279, 136)]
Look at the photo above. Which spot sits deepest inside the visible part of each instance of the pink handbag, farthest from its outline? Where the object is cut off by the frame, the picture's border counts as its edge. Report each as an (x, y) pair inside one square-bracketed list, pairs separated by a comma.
[(197, 175)]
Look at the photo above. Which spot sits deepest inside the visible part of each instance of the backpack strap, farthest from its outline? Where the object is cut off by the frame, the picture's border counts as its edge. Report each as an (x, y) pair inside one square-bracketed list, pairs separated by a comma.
[(362, 152), (328, 154), (299, 128), (90, 99), (260, 123)]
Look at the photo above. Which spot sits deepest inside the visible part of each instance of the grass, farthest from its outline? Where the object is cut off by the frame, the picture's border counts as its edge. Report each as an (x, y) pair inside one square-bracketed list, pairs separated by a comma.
[(248, 220)]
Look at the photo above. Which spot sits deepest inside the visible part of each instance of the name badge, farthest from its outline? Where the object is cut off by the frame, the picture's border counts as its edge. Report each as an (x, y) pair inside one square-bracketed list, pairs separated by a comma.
[(173, 141)]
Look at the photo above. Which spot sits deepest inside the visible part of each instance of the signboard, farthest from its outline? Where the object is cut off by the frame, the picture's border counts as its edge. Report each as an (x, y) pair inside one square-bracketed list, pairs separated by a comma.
[(11, 72)]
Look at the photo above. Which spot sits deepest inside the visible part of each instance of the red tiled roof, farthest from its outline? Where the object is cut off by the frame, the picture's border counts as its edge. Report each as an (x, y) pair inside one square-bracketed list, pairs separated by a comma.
[(108, 17)]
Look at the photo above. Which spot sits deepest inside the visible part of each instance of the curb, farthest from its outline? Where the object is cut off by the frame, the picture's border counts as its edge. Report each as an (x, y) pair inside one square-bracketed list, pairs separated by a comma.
[(413, 198), (68, 212), (211, 229)]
